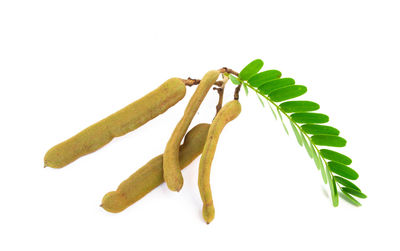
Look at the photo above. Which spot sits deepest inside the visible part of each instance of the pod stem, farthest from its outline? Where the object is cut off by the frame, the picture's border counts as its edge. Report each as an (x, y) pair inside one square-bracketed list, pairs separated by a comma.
[(220, 91), (237, 90), (230, 71)]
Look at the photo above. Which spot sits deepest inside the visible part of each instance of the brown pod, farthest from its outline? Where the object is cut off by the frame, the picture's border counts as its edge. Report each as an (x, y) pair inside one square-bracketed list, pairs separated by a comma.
[(227, 113), (117, 124), (150, 175), (172, 171)]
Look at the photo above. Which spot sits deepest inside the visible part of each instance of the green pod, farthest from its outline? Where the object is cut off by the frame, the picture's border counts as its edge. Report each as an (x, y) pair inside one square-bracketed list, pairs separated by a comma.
[(172, 171), (150, 175), (227, 113), (117, 124)]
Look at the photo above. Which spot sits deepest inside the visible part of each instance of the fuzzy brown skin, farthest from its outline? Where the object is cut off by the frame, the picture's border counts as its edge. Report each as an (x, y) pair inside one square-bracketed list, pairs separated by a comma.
[(150, 175), (117, 124), (172, 171), (228, 113)]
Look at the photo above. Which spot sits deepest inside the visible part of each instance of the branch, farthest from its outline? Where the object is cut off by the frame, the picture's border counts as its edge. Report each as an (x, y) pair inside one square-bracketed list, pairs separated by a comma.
[(191, 81), (227, 70)]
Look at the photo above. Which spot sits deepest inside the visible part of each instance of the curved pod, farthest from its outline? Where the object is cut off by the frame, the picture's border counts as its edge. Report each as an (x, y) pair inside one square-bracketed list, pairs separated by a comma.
[(150, 175), (172, 171), (228, 113), (117, 124)]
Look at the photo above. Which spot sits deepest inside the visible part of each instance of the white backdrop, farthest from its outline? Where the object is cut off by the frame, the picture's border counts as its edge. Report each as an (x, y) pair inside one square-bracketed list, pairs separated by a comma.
[(67, 64)]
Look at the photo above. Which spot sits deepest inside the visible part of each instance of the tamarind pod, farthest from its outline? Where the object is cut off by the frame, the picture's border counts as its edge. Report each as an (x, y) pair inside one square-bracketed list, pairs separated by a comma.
[(117, 124), (227, 113), (150, 175), (172, 174)]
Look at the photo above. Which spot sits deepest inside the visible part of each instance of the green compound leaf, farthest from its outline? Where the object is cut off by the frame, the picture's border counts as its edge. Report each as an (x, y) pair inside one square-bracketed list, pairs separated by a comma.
[(234, 79), (328, 140), (298, 137), (335, 156), (351, 199), (343, 170), (288, 92), (284, 126), (309, 117), (334, 192), (302, 112), (354, 192), (299, 106), (307, 146), (275, 84), (347, 183), (320, 129), (251, 69), (263, 77)]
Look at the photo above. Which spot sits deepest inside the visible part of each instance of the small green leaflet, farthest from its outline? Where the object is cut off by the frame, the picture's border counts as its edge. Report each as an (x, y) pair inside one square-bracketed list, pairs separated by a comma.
[(309, 117), (320, 129), (275, 84), (263, 77), (299, 106), (343, 170), (316, 158), (234, 79), (251, 69), (288, 92), (334, 192), (351, 199), (262, 103), (307, 146), (335, 156), (272, 110), (354, 192), (298, 137), (246, 90), (346, 183), (328, 140), (318, 163), (284, 126)]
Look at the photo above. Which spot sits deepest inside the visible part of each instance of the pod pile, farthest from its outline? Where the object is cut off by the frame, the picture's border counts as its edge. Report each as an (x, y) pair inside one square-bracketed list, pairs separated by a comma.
[(201, 139)]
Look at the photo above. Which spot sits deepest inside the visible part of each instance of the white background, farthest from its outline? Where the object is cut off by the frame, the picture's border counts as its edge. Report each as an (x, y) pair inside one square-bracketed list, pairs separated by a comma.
[(67, 64)]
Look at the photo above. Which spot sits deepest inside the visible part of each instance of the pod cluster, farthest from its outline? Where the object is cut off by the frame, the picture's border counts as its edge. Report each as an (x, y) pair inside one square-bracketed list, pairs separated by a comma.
[(202, 140)]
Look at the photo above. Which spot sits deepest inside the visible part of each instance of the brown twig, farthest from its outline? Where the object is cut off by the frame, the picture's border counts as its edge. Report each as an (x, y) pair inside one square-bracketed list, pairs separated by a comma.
[(191, 81), (227, 70), (221, 83), (220, 91), (237, 90)]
